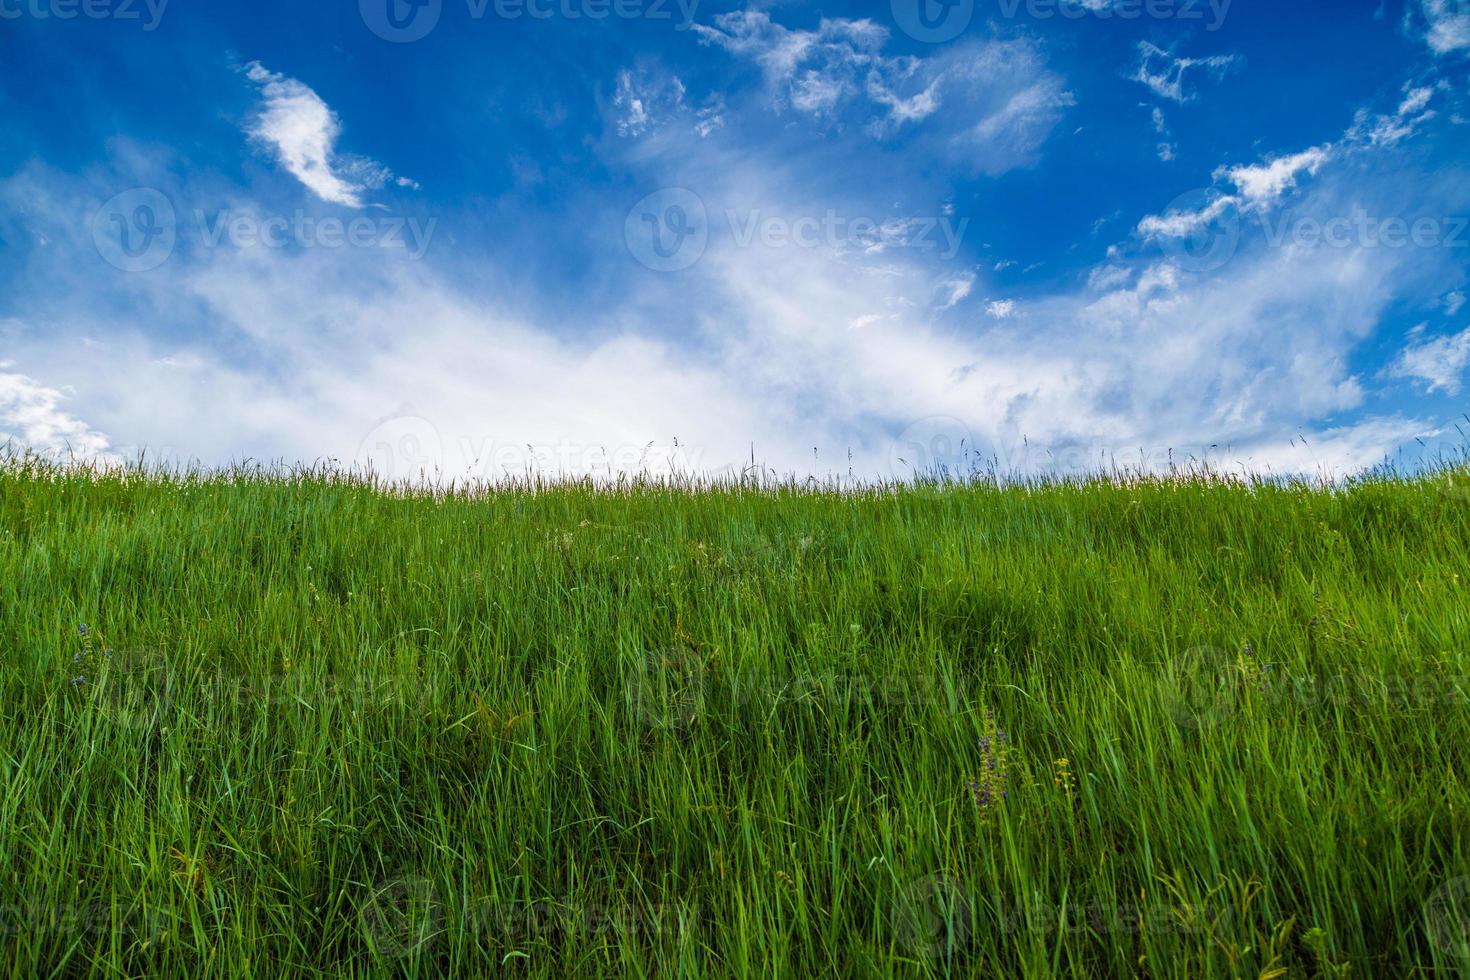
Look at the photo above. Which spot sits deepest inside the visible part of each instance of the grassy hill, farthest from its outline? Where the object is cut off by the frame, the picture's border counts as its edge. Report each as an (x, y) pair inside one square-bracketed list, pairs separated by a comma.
[(1170, 728)]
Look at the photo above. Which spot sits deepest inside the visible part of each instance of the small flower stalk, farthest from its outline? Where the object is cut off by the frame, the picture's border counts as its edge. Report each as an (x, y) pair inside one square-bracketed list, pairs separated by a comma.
[(1257, 675), (1063, 779), (88, 660), (989, 789)]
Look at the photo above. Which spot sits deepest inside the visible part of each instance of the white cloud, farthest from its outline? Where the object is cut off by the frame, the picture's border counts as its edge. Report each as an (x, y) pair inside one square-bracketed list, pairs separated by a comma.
[(31, 415), (1447, 25), (1164, 74), (1263, 184), (1392, 128), (817, 92), (1415, 100), (1440, 362), (710, 117), (635, 116), (920, 105), (1258, 186), (802, 347), (810, 70), (1183, 223), (957, 290), (990, 104), (1166, 149), (788, 347), (648, 100), (1010, 127), (302, 130), (644, 102), (1339, 450), (1109, 277)]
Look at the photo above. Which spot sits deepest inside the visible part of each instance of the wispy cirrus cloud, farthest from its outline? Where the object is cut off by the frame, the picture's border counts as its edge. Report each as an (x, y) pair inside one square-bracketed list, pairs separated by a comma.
[(647, 99), (643, 102), (1261, 186), (811, 71), (957, 290), (1439, 363), (985, 106), (1166, 75), (1388, 129)]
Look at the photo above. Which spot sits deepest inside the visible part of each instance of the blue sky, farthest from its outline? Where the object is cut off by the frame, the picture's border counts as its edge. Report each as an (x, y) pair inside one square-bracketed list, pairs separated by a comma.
[(587, 236)]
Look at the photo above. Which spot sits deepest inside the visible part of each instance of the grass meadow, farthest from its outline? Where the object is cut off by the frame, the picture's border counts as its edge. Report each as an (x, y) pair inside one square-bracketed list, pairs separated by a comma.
[(267, 724)]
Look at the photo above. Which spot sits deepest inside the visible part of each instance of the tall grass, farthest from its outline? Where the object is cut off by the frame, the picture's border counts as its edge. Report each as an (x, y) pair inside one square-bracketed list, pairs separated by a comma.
[(1175, 727)]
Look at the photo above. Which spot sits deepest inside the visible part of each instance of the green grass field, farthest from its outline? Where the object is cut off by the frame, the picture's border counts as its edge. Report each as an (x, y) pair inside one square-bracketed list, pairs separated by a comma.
[(1170, 729)]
